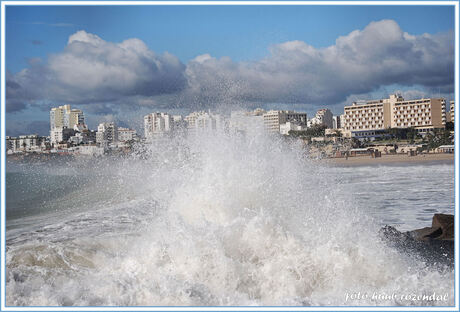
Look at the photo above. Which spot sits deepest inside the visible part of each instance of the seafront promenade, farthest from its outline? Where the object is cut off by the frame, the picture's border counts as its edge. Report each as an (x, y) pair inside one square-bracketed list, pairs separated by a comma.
[(393, 159)]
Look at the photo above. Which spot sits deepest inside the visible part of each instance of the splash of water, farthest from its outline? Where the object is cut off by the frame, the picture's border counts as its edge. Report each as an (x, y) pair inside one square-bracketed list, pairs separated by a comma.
[(212, 219)]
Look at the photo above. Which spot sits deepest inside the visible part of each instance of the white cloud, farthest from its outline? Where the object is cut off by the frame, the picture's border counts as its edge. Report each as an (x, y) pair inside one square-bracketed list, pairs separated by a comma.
[(92, 71)]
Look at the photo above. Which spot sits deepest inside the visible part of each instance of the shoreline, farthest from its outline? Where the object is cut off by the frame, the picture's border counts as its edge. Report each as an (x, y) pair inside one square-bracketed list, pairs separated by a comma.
[(392, 159)]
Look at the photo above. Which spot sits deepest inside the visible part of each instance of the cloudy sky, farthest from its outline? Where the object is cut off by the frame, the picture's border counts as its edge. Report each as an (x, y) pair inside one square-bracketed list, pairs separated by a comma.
[(120, 62)]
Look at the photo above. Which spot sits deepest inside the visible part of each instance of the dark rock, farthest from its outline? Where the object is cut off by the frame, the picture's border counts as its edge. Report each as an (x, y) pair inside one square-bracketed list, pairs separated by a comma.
[(434, 244)]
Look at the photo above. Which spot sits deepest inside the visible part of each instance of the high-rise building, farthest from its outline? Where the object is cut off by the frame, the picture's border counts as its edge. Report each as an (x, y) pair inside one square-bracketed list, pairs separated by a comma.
[(205, 121), (107, 133), (336, 122), (274, 118), (125, 134), (157, 123), (323, 117), (452, 111), (395, 112), (64, 116), (63, 120)]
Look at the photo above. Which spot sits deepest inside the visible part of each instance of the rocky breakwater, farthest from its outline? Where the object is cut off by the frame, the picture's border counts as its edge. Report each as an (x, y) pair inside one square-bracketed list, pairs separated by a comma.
[(434, 244)]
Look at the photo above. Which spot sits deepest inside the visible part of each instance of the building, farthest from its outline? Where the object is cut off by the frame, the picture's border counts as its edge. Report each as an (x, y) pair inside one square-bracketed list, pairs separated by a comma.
[(25, 143), (452, 111), (244, 121), (107, 134), (336, 124), (157, 123), (395, 112), (323, 117), (126, 134), (274, 118), (84, 136), (205, 121), (291, 126), (60, 135), (63, 120), (64, 116)]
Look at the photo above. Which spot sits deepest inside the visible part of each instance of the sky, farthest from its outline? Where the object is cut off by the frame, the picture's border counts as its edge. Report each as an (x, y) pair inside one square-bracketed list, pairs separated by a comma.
[(121, 62)]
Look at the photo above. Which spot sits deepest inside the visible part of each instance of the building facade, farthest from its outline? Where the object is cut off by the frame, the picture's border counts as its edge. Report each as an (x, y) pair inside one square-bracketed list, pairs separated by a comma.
[(323, 117), (157, 123), (395, 112), (107, 133), (274, 118), (126, 134)]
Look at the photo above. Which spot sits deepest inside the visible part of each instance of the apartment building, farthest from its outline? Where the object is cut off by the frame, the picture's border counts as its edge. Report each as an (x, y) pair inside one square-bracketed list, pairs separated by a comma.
[(395, 112), (452, 111), (274, 118), (323, 117), (157, 123), (107, 133), (64, 116)]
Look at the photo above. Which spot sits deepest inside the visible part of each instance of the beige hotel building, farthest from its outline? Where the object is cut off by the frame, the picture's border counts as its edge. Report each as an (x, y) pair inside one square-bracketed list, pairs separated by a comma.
[(395, 112)]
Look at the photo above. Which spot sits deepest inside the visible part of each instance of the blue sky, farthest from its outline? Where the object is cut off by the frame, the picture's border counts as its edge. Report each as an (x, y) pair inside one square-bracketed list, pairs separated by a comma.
[(241, 32), (247, 35)]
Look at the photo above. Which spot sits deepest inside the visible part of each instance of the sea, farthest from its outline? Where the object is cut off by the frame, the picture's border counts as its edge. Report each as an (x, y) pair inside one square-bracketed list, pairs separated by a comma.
[(221, 220)]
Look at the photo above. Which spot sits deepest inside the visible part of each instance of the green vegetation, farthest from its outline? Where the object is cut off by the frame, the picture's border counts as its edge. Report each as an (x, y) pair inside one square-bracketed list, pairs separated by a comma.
[(314, 131)]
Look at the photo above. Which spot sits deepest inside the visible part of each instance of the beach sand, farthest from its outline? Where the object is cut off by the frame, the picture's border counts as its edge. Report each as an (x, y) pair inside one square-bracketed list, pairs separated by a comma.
[(398, 158)]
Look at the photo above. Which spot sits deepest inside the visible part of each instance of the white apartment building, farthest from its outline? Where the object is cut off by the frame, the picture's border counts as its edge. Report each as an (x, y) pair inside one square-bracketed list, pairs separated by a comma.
[(126, 134), (64, 116), (107, 133), (205, 121), (323, 117), (291, 126), (274, 118), (336, 124), (157, 123), (60, 134), (25, 143), (452, 111), (244, 121), (394, 112)]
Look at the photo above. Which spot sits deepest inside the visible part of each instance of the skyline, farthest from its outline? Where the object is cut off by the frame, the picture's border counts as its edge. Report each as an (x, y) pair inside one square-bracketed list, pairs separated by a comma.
[(272, 58)]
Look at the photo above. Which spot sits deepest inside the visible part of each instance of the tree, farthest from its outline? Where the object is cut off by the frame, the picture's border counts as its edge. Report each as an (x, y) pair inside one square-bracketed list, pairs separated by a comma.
[(450, 126)]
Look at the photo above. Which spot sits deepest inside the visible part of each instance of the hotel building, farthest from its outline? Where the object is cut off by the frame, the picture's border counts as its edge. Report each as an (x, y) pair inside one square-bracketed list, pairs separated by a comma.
[(395, 112)]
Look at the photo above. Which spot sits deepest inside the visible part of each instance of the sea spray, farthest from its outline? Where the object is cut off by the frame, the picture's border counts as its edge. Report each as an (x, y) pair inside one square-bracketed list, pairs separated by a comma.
[(210, 219)]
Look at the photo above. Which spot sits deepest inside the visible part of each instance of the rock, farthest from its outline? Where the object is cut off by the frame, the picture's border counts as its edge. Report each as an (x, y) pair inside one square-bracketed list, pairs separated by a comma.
[(442, 228), (434, 244)]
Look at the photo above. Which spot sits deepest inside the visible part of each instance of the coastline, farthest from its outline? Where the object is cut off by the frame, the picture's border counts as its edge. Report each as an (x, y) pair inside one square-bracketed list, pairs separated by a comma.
[(392, 159)]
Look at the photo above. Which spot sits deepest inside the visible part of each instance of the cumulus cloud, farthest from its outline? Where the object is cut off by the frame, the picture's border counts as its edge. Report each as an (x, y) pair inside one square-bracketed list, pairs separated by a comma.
[(362, 61), (92, 71)]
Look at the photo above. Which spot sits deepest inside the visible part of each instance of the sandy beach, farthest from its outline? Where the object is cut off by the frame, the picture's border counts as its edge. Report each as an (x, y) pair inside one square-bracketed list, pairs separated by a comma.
[(398, 158)]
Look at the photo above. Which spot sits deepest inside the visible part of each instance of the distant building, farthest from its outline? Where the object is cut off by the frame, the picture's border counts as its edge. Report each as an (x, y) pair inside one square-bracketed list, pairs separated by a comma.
[(291, 126), (107, 134), (205, 121), (25, 143), (63, 117), (274, 118), (395, 112), (452, 111), (323, 117), (60, 135), (126, 134), (157, 123), (336, 124), (244, 121)]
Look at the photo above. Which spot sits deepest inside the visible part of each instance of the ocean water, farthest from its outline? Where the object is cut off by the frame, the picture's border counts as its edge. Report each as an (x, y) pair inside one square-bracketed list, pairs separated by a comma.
[(220, 220)]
